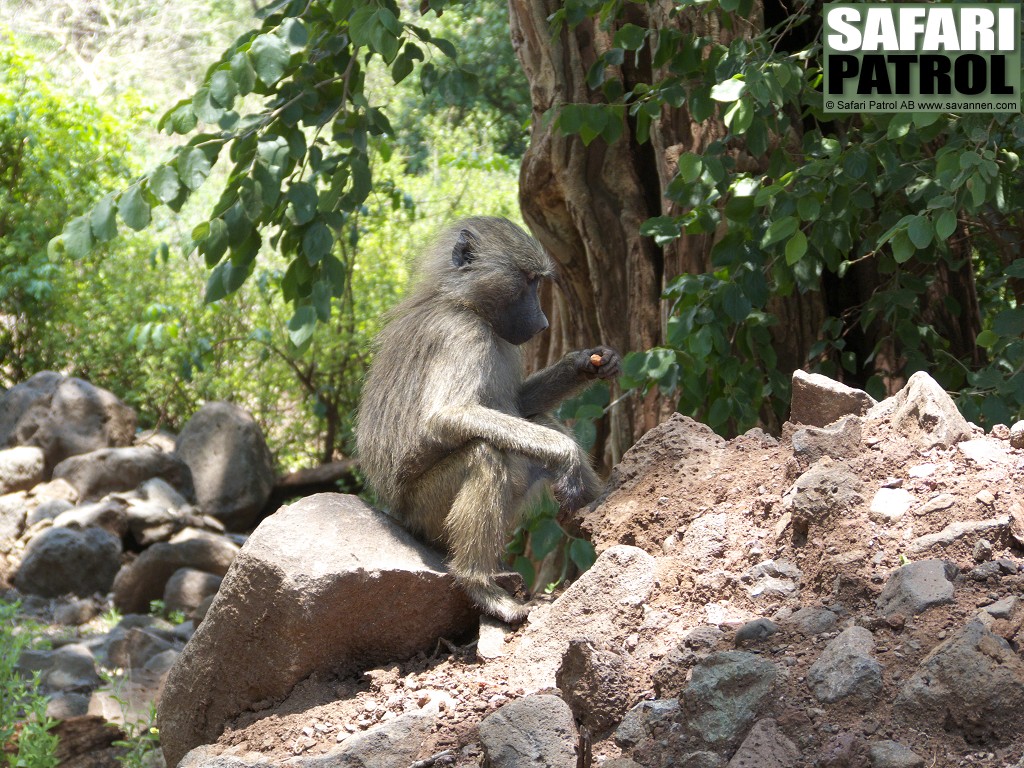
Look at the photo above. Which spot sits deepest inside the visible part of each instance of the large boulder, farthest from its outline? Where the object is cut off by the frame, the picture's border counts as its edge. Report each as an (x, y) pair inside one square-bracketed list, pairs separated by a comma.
[(109, 470), (232, 468), (326, 584), (63, 416), (63, 560)]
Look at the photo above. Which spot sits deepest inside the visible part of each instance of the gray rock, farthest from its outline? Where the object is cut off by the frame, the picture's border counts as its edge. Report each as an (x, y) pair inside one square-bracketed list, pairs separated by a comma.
[(145, 580), (64, 705), (1003, 609), (68, 668), (135, 648), (766, 746), (63, 560), (595, 685), (393, 744), (847, 669), (75, 612), (604, 605), (535, 730), (773, 578), (64, 417), (646, 719), (110, 514), (813, 620), (13, 508), (21, 468), (892, 754), (188, 588), (819, 400), (954, 532), (48, 510), (923, 413), (726, 693), (841, 440), (915, 587), (755, 631), (110, 470), (326, 584), (231, 465), (827, 488), (971, 684)]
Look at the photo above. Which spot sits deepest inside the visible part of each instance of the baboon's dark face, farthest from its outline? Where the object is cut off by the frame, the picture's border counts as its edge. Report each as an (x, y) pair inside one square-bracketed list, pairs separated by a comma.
[(498, 274), (523, 317)]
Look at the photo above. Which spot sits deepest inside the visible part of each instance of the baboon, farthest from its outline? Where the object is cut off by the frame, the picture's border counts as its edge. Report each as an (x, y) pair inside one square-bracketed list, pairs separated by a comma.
[(450, 435)]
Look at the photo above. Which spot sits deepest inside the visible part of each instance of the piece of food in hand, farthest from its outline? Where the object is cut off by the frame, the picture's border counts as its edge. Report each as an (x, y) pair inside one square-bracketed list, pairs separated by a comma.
[(595, 360)]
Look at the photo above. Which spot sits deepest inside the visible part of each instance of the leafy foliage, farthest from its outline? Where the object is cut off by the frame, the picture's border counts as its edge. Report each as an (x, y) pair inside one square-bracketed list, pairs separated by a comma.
[(796, 198), (25, 738), (57, 155)]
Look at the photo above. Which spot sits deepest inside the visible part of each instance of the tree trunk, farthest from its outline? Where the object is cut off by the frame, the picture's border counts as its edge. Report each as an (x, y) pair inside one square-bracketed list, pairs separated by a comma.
[(586, 205)]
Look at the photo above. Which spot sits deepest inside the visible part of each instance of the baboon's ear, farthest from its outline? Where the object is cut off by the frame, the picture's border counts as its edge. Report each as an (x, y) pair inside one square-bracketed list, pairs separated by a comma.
[(465, 249)]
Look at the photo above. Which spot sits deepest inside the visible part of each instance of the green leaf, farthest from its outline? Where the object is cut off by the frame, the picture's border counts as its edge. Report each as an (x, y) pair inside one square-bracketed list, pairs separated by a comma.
[(736, 305), (294, 33), (631, 37), (243, 73), (102, 220), (215, 290), (302, 325), (164, 183), (902, 247), (1009, 322), (270, 57), (664, 229), (808, 207), (690, 167), (205, 108), (78, 237), (215, 244), (920, 232), (796, 247), (582, 553), (317, 242), (302, 197), (779, 230), (545, 535), (739, 116), (223, 88), (987, 339), (193, 167), (730, 90), (133, 208), (525, 569)]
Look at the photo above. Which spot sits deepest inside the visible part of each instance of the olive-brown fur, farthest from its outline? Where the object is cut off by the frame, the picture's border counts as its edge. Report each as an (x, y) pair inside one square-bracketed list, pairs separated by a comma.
[(450, 435)]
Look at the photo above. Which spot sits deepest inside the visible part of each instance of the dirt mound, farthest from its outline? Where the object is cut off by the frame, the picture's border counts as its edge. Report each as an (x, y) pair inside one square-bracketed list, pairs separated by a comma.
[(770, 555)]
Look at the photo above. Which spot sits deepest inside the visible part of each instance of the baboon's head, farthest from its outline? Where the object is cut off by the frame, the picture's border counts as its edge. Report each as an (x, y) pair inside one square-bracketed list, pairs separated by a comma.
[(491, 266)]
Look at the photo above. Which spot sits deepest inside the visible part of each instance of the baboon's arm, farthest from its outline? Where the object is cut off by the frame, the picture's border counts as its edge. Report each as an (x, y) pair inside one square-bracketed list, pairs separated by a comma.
[(545, 389), (454, 426)]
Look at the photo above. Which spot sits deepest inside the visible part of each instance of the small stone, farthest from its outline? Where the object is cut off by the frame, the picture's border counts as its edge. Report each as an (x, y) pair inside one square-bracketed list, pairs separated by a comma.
[(916, 587), (1017, 435), (1000, 432), (755, 631), (814, 621), (891, 504), (1003, 609), (936, 504), (847, 668), (892, 754), (986, 497), (982, 551)]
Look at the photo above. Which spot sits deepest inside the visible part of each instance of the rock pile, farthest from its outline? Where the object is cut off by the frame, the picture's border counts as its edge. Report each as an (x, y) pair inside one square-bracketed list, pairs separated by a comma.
[(849, 595)]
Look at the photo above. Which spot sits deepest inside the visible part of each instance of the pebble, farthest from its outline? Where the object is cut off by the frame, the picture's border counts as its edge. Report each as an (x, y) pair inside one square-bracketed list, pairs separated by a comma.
[(986, 497), (1017, 435)]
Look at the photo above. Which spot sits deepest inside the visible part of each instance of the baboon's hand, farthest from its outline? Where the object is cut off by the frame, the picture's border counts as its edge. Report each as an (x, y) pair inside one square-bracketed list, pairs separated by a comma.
[(602, 362)]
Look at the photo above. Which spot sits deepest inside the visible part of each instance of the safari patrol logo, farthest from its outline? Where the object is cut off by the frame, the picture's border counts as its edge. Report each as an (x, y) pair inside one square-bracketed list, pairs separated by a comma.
[(912, 57)]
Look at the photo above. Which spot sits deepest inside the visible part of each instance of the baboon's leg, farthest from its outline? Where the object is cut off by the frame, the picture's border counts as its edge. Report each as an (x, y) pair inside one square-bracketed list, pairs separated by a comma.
[(468, 503)]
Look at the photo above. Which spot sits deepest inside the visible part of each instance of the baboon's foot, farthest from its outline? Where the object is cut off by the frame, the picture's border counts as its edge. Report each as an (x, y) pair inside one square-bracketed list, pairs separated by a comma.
[(494, 601)]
